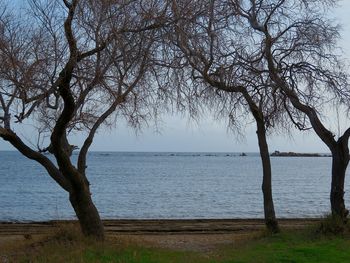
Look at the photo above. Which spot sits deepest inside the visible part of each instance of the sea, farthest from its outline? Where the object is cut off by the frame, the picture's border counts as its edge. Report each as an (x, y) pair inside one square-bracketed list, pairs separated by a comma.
[(169, 185)]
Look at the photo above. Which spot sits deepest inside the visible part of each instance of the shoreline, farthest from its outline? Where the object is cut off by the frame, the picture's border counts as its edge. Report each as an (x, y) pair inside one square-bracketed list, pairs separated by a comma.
[(234, 219), (200, 235), (158, 226), (147, 221)]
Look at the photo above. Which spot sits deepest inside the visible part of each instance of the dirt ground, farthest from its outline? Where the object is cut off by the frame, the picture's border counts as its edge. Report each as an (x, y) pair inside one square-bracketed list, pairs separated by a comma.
[(195, 235)]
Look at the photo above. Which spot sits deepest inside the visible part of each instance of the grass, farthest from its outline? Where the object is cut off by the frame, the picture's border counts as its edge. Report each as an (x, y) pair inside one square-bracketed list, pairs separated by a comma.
[(300, 246), (308, 245), (142, 255), (89, 251)]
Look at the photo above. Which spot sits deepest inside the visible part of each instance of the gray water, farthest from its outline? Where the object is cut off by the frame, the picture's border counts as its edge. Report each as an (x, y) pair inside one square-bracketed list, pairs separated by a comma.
[(169, 185)]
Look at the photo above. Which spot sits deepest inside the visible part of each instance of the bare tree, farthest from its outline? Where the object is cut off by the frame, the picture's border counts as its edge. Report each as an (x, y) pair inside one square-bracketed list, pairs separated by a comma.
[(298, 44), (80, 63), (208, 42)]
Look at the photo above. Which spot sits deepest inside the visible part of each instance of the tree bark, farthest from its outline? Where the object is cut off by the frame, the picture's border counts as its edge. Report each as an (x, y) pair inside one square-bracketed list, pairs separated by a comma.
[(88, 216), (340, 160), (269, 210)]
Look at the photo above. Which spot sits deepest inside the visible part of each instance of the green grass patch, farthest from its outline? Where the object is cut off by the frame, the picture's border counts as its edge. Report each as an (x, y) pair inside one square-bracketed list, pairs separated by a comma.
[(138, 254), (301, 246), (289, 246), (108, 253)]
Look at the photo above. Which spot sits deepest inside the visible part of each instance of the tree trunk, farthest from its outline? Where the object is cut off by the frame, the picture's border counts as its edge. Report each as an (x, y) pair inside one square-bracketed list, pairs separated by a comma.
[(339, 149), (88, 216), (340, 160), (269, 210)]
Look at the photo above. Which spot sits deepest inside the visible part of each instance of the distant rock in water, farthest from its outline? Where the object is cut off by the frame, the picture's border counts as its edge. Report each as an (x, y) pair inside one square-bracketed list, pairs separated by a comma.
[(243, 154), (293, 154)]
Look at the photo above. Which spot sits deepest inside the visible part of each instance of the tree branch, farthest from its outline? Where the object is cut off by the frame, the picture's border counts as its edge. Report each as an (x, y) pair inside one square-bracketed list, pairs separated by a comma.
[(55, 174)]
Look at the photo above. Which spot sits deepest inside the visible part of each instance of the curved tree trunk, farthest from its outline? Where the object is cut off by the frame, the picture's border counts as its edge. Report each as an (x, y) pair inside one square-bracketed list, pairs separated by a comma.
[(340, 160), (339, 149), (269, 210), (88, 216)]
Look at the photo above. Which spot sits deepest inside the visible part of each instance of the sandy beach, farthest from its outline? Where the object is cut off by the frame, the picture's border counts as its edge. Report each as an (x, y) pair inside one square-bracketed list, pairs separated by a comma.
[(197, 235)]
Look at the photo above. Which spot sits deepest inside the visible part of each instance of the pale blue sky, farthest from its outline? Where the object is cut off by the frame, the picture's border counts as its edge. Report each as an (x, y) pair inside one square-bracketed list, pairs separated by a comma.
[(177, 134)]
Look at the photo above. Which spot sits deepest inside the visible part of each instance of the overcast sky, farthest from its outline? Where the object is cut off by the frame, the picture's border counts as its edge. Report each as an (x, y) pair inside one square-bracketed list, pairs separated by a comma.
[(177, 134)]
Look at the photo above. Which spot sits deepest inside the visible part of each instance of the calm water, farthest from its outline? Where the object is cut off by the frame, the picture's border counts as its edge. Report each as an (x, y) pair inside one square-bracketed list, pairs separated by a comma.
[(169, 185)]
